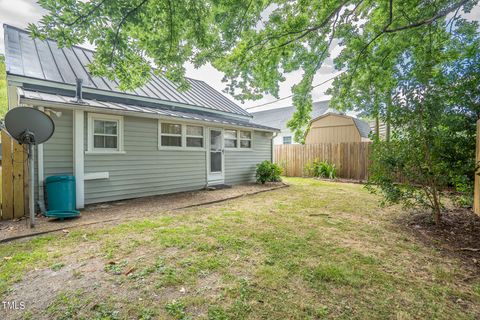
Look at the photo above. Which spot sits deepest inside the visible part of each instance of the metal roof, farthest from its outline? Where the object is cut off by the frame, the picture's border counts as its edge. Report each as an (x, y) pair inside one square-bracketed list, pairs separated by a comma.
[(279, 117), (127, 108), (44, 60)]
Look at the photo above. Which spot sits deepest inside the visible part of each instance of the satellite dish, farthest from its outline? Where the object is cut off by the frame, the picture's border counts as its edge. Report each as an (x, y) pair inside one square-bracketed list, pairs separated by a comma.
[(29, 125)]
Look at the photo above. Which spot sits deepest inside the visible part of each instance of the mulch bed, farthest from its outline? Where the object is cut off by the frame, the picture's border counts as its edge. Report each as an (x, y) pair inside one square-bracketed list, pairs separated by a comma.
[(458, 235)]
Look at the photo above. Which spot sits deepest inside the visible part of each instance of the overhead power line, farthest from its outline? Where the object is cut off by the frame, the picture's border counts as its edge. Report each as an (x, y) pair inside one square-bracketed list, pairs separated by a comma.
[(287, 97)]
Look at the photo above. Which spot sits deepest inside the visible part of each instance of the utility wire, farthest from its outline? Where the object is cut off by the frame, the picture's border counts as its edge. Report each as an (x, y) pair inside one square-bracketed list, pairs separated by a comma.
[(284, 98)]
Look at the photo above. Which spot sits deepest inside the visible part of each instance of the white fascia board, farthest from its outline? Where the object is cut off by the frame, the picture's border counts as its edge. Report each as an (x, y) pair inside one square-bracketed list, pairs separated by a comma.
[(19, 80), (65, 106)]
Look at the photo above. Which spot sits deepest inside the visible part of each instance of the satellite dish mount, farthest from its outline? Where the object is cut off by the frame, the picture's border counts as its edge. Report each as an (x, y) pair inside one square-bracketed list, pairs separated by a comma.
[(27, 137), (31, 127)]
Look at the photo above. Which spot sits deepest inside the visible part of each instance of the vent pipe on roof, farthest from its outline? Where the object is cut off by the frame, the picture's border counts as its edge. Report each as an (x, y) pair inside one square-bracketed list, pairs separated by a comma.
[(78, 91)]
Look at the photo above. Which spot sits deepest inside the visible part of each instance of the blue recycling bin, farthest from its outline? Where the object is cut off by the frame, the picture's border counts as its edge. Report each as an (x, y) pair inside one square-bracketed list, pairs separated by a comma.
[(61, 198)]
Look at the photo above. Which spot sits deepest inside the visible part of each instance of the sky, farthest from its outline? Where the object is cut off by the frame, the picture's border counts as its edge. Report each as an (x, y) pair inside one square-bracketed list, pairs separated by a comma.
[(20, 13)]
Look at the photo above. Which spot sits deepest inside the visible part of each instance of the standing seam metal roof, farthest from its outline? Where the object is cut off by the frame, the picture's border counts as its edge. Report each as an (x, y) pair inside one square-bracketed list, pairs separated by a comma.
[(122, 107), (44, 60)]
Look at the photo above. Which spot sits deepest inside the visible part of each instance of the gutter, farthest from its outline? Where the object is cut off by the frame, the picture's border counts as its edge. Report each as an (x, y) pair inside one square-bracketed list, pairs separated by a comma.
[(20, 80), (85, 107)]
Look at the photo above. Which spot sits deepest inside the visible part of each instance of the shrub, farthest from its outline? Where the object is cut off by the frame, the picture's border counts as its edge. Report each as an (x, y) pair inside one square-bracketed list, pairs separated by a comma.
[(321, 169), (268, 172)]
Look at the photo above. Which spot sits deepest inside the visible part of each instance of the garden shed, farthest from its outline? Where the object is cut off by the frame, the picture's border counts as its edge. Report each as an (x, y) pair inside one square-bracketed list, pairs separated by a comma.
[(335, 128)]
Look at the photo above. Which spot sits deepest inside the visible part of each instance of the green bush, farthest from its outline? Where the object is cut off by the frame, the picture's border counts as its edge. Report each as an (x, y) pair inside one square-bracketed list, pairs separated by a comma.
[(321, 169), (463, 186), (268, 172)]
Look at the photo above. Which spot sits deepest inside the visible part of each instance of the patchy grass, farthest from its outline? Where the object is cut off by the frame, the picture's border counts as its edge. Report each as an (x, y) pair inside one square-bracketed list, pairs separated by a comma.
[(314, 250)]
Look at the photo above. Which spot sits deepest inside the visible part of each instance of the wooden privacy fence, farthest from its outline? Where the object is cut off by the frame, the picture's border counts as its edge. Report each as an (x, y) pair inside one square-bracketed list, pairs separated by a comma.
[(350, 158), (14, 179)]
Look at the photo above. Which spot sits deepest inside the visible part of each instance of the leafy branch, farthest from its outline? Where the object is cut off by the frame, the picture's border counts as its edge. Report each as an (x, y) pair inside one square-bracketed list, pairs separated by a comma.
[(82, 17), (119, 27)]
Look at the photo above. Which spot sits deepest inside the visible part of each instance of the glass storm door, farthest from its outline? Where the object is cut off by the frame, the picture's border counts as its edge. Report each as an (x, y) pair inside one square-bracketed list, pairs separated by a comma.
[(215, 157)]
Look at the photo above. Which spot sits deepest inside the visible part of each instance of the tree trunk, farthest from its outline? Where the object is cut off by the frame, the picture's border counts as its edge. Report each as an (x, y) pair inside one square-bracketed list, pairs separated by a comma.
[(437, 213), (377, 127), (388, 118), (387, 128)]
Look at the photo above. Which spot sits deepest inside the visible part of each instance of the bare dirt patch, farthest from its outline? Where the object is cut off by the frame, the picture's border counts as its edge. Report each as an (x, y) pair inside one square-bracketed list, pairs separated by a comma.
[(117, 211), (76, 276)]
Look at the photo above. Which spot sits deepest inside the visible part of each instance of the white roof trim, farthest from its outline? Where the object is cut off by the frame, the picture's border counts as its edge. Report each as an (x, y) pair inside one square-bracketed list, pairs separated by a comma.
[(75, 106), (19, 80)]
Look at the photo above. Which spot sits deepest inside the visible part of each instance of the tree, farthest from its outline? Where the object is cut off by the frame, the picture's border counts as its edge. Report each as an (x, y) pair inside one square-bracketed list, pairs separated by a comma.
[(255, 43), (3, 88), (434, 112)]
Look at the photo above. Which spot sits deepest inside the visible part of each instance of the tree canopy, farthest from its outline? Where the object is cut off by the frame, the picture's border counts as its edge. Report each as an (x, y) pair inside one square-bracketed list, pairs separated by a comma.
[(255, 43)]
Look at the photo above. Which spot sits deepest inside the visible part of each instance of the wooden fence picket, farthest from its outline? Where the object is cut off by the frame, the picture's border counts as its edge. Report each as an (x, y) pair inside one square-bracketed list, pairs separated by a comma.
[(14, 179), (350, 158)]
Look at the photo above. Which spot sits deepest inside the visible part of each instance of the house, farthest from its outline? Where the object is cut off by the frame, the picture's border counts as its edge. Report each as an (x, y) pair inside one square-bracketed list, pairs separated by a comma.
[(279, 117), (119, 145), (382, 129), (335, 127)]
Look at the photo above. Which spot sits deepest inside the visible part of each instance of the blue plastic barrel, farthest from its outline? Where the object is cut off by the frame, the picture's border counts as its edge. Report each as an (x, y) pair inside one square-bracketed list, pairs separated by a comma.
[(61, 198)]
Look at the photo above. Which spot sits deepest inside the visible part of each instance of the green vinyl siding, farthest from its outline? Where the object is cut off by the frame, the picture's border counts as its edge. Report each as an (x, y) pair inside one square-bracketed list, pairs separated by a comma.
[(240, 165), (143, 170), (58, 151)]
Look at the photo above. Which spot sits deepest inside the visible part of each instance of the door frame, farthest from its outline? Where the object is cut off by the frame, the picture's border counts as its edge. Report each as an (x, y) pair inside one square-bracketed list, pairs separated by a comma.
[(215, 178)]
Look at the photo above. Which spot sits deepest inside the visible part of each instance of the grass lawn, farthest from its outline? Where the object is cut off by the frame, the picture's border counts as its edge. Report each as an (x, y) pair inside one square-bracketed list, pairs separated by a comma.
[(314, 250)]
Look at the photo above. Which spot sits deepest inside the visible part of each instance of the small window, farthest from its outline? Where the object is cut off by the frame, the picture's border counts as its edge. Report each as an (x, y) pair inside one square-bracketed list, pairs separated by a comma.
[(287, 140), (105, 133), (194, 136), (171, 135), (245, 139), (230, 138)]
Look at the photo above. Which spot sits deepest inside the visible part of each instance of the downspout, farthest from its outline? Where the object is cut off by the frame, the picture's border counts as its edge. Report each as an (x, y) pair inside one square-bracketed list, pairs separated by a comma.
[(40, 173), (274, 135)]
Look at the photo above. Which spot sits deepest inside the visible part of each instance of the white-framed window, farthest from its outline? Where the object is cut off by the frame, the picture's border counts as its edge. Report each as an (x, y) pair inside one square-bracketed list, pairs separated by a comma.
[(194, 137), (230, 137), (170, 134), (105, 133), (287, 140), (238, 139), (174, 135), (245, 139)]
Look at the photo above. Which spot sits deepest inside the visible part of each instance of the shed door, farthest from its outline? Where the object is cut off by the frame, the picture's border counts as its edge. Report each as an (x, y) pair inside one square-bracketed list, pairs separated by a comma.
[(215, 161)]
